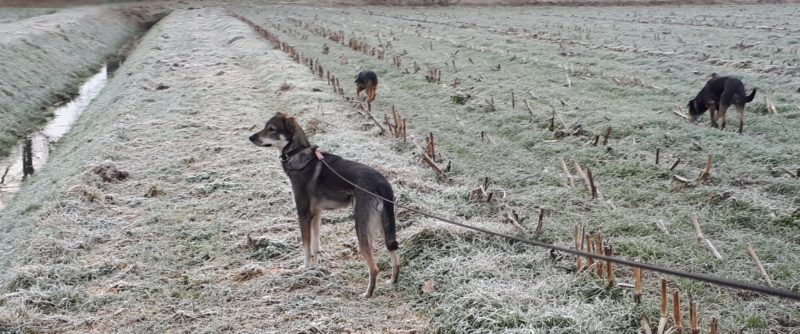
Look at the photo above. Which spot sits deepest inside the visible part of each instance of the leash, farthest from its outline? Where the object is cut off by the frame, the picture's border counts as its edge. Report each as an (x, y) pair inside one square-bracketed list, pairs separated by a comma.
[(630, 263)]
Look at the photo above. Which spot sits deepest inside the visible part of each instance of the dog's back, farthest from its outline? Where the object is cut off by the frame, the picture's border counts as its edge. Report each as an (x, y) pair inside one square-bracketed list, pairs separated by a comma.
[(728, 91), (367, 79), (734, 93)]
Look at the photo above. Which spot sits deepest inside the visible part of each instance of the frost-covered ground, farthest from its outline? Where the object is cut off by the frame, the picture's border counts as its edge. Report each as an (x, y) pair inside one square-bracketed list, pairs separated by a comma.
[(167, 249)]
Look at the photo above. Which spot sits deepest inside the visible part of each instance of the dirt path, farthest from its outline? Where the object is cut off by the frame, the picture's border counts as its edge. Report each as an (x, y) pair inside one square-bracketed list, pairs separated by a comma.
[(166, 250)]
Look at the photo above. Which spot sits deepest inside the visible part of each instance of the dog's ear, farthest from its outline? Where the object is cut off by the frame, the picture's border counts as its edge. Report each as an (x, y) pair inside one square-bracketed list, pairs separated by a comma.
[(298, 135), (295, 135)]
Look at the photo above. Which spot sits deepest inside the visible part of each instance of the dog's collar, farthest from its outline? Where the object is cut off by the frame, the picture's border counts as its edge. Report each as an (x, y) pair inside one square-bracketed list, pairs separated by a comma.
[(285, 156)]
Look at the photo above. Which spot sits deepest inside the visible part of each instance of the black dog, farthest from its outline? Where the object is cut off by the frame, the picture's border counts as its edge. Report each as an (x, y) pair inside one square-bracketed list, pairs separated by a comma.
[(717, 96), (367, 80), (316, 188)]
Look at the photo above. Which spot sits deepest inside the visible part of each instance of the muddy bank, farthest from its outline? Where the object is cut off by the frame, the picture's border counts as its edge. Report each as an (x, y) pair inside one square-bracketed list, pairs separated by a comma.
[(46, 57)]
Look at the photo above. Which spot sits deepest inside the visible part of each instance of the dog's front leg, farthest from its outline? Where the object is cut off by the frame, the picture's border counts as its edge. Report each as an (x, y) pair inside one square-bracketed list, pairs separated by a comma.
[(316, 217), (712, 111), (304, 217), (358, 93)]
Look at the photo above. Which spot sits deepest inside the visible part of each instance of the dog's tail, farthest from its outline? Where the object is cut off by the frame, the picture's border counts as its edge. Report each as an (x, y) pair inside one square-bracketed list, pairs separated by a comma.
[(751, 96), (385, 190)]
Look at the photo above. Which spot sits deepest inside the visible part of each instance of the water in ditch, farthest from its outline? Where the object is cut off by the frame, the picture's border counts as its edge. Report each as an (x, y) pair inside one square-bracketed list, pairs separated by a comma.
[(41, 142)]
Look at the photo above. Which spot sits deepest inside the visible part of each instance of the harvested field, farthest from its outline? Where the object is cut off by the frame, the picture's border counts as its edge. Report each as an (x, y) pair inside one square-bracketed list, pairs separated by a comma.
[(15, 14), (201, 235)]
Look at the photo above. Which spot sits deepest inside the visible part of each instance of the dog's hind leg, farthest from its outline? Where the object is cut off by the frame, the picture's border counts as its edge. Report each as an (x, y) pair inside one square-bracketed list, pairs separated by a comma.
[(365, 246), (395, 267), (366, 216), (740, 113), (721, 115), (389, 232), (366, 251)]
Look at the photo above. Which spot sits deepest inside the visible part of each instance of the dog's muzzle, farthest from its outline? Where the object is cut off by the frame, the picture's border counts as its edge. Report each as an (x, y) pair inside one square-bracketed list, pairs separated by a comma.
[(255, 140)]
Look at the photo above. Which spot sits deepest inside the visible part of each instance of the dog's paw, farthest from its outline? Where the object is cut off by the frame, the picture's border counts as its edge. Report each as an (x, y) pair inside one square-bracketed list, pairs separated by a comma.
[(305, 266), (311, 262), (316, 272), (391, 281), (365, 295)]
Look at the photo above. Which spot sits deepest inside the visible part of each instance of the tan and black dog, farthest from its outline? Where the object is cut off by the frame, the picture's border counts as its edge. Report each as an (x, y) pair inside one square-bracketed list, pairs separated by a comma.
[(317, 188), (367, 80), (718, 95)]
